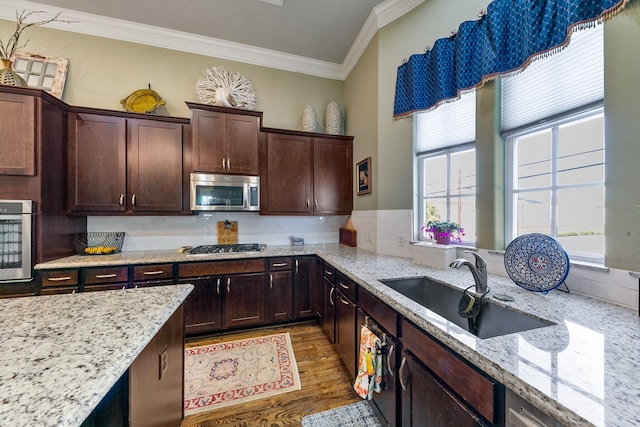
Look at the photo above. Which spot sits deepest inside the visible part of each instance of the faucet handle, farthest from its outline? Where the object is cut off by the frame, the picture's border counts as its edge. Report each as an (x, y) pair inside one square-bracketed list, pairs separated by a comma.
[(480, 262)]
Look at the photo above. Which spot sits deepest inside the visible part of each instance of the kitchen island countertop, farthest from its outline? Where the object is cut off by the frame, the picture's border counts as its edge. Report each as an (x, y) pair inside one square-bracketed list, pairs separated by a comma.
[(61, 354), (583, 371)]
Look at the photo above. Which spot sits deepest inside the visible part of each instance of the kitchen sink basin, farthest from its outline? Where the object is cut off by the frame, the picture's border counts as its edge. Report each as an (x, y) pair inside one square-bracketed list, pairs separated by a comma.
[(493, 320)]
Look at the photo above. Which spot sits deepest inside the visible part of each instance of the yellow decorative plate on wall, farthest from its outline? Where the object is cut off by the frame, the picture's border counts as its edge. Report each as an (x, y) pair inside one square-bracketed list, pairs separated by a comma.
[(142, 101)]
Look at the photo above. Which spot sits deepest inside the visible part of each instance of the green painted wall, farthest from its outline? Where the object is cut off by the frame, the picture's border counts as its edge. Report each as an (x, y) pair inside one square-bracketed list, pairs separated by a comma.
[(361, 94), (104, 71), (622, 139)]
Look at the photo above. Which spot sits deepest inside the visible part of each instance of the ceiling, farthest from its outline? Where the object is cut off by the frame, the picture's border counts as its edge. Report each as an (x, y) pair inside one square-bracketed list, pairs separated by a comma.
[(319, 37)]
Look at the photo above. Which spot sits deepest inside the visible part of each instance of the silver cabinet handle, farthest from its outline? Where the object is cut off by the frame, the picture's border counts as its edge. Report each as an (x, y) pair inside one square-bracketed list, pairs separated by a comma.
[(133, 200), (307, 203), (279, 264), (271, 281), (218, 287), (228, 163), (152, 273), (105, 276), (343, 285), (343, 301), (228, 285), (331, 300), (328, 273), (315, 204), (121, 200), (391, 350), (402, 364), (297, 266), (223, 166), (59, 279)]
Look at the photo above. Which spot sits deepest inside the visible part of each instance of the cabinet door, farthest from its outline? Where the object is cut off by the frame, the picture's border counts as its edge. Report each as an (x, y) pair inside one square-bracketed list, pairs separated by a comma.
[(307, 287), (332, 176), (329, 309), (426, 401), (18, 138), (244, 300), (242, 144), (203, 308), (154, 166), (278, 303), (208, 136), (346, 331), (288, 176), (97, 163)]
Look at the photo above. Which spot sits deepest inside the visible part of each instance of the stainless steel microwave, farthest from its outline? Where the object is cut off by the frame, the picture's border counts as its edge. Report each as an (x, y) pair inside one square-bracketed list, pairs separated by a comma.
[(210, 192)]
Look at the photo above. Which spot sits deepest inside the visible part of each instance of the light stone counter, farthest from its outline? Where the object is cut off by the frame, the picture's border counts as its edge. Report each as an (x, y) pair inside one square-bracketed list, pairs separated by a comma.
[(583, 371), (61, 354)]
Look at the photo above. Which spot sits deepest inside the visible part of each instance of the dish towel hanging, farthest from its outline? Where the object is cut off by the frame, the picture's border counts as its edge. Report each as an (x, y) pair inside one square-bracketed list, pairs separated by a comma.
[(369, 378)]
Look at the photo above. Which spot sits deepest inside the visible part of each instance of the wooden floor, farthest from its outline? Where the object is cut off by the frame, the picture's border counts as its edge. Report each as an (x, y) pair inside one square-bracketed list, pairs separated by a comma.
[(324, 379)]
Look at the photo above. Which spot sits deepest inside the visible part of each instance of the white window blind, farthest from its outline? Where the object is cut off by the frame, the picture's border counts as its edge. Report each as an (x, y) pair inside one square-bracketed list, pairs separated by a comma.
[(449, 124), (562, 82)]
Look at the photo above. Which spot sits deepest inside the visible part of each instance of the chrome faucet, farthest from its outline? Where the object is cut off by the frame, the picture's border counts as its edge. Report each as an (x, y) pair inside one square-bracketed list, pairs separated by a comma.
[(479, 271)]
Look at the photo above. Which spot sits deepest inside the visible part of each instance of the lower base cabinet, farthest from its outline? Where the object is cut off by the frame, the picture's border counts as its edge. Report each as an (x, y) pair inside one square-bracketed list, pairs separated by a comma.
[(151, 392), (203, 307), (328, 318), (346, 331), (244, 300), (426, 401)]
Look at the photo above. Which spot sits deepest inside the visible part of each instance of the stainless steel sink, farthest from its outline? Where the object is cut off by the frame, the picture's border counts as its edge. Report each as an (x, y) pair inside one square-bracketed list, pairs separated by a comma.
[(493, 320)]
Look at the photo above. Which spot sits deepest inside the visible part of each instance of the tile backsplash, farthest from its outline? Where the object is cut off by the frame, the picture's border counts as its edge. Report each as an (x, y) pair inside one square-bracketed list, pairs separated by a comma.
[(170, 232)]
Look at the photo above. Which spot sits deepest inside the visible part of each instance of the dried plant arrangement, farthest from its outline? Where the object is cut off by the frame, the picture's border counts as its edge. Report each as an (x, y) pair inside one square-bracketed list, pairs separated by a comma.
[(225, 88), (8, 48)]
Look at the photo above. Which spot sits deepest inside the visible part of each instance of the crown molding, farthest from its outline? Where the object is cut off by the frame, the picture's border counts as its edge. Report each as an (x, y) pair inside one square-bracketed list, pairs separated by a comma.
[(127, 31)]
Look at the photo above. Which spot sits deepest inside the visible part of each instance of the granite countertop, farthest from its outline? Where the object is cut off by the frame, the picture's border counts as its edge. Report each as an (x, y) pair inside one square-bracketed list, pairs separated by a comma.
[(583, 371), (61, 354)]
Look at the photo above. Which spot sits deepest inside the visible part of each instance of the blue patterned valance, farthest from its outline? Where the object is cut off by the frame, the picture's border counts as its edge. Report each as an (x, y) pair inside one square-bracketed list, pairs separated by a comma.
[(507, 38)]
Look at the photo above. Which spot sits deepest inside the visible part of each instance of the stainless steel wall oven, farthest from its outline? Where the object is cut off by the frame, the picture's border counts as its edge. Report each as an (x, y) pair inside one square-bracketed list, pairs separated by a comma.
[(15, 240)]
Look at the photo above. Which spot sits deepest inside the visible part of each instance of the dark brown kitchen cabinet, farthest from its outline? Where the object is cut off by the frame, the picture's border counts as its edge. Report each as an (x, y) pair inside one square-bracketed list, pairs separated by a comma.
[(345, 321), (307, 280), (304, 174), (18, 139), (203, 307), (119, 164), (438, 386), (152, 275), (244, 300), (279, 295), (58, 282), (97, 151), (328, 315), (105, 278), (154, 166), (224, 140), (427, 401)]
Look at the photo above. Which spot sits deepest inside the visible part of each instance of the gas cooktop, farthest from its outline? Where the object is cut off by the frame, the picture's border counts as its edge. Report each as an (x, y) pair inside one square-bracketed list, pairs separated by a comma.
[(218, 249)]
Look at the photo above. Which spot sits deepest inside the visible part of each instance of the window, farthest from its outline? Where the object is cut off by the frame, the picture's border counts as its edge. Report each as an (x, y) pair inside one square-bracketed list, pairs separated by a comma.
[(557, 184), (446, 165), (553, 123)]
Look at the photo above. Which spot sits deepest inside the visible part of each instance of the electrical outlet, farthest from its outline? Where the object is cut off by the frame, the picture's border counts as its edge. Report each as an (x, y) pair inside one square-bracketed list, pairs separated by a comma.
[(400, 241)]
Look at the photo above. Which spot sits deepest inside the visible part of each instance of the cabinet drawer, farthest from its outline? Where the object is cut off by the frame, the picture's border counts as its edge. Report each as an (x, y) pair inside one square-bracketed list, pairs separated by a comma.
[(202, 269), (474, 387), (385, 316), (279, 264), (59, 278), (329, 272), (153, 272), (346, 286), (106, 275)]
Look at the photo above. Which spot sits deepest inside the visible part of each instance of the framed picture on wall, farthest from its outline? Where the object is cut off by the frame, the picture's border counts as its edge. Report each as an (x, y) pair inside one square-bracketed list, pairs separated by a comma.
[(364, 176)]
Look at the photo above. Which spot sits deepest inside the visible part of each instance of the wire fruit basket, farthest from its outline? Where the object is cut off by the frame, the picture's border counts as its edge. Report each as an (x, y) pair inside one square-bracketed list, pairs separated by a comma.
[(98, 242)]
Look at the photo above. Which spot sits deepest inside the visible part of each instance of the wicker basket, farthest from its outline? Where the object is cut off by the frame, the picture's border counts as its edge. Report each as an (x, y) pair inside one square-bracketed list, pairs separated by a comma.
[(99, 242)]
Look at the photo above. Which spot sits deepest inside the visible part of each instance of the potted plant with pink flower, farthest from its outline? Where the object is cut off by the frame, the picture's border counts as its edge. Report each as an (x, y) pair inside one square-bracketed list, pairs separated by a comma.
[(443, 231)]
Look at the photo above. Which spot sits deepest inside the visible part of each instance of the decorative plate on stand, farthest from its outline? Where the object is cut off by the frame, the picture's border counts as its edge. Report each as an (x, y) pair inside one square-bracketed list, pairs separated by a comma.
[(536, 262)]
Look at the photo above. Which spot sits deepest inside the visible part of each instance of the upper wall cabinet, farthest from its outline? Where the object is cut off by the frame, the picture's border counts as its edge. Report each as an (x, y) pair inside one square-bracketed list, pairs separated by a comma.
[(18, 138), (119, 164), (304, 173), (224, 140)]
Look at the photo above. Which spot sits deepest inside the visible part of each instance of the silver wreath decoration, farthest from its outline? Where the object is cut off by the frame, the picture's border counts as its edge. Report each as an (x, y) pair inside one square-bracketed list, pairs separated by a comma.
[(225, 88)]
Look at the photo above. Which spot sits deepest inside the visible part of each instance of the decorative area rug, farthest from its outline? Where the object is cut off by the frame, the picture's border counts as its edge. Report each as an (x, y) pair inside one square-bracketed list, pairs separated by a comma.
[(234, 372), (357, 414)]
